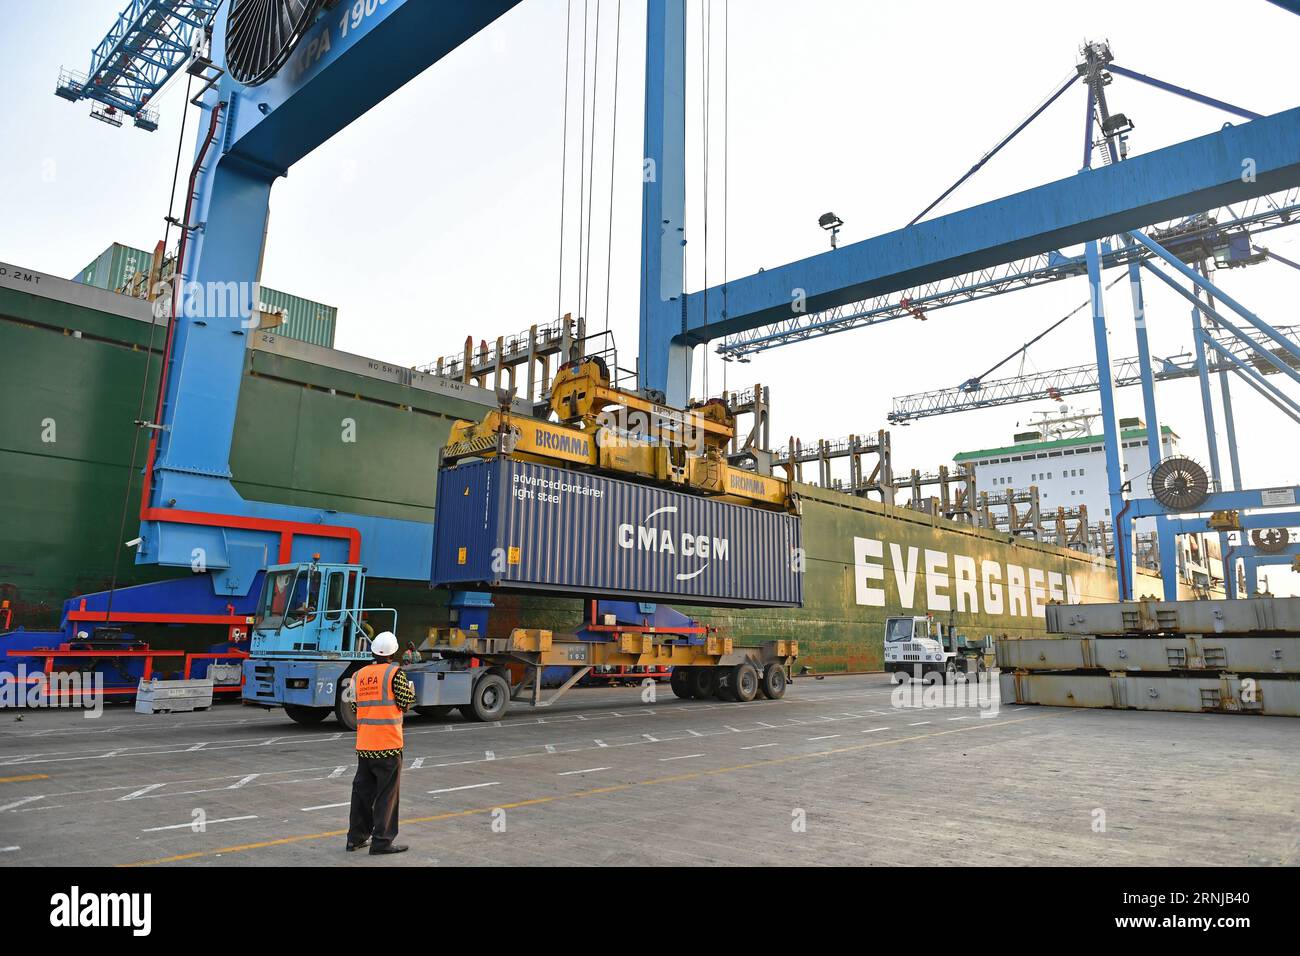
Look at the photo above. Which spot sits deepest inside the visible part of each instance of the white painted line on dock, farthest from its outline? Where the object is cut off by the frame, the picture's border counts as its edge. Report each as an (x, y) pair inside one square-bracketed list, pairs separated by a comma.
[(601, 743), (10, 849), (682, 757), (267, 743), (651, 738), (194, 747), (967, 717), (765, 724), (468, 786), (142, 791), (919, 723), (757, 746), (873, 730), (19, 803), (339, 771), (825, 737), (192, 823), (416, 764), (695, 733), (244, 782), (326, 806), (570, 773), (550, 748), (489, 755)]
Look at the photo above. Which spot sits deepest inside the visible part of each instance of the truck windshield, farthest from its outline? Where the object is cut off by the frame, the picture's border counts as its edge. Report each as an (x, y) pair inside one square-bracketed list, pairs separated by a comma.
[(275, 598), (898, 629)]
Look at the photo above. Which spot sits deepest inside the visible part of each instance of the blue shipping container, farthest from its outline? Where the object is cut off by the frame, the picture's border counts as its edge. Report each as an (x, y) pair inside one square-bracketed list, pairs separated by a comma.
[(520, 526)]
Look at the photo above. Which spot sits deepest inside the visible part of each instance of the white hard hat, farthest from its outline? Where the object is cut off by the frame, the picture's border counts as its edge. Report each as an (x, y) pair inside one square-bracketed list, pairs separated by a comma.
[(385, 644)]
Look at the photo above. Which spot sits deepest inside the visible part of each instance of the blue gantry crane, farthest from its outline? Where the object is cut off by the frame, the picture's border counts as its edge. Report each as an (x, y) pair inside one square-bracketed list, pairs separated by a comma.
[(281, 98), (149, 42)]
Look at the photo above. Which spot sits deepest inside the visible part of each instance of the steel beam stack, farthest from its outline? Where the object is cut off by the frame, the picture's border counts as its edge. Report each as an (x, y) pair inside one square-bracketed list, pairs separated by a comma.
[(1236, 657)]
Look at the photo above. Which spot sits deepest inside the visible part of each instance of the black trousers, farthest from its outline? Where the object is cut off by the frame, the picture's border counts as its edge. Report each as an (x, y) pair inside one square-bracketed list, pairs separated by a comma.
[(375, 790)]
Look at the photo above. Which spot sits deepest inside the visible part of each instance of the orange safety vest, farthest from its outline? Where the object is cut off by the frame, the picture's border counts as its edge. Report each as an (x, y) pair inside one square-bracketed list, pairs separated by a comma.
[(379, 719)]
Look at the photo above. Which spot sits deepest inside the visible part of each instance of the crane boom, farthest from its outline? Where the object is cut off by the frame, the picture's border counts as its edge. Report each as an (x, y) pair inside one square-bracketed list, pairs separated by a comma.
[(147, 44), (1073, 380)]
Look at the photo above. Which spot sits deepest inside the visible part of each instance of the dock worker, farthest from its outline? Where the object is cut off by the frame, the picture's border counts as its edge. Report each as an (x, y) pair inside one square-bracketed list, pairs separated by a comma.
[(382, 692)]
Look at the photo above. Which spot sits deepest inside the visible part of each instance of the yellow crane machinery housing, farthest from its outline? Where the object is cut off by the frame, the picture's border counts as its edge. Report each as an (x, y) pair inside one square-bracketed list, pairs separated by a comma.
[(611, 430)]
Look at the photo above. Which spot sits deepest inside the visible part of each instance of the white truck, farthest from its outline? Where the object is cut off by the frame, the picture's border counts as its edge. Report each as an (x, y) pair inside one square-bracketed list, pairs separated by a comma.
[(920, 647)]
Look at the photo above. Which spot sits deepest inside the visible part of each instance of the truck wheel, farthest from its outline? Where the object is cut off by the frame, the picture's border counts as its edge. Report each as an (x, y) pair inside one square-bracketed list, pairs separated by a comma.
[(899, 676), (744, 682), (307, 716), (680, 682), (702, 682), (774, 681), (950, 672), (489, 699), (343, 709), (434, 712)]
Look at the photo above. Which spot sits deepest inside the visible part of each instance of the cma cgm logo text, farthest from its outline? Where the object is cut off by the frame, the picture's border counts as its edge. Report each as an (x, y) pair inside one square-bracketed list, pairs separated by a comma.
[(648, 537), (567, 444), (940, 581)]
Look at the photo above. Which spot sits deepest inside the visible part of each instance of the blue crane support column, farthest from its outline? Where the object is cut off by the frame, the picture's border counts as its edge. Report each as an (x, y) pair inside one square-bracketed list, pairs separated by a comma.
[(1166, 540), (665, 356), (1229, 421), (1229, 571), (1211, 439), (346, 62), (1110, 429)]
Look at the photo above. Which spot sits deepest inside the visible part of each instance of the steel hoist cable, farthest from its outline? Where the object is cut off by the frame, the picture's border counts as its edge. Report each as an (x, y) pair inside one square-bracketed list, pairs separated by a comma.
[(148, 357), (564, 157)]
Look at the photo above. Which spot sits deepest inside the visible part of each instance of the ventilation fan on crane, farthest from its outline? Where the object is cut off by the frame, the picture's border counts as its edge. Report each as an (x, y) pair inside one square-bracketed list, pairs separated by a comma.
[(1179, 484), (261, 35)]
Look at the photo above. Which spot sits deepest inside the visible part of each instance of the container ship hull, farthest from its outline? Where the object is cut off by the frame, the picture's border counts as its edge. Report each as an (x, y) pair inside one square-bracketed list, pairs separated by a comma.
[(325, 429)]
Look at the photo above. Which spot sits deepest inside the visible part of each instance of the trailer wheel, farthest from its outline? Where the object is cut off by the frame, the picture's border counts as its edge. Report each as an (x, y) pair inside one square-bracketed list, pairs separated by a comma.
[(307, 716), (744, 682), (774, 681), (343, 709), (489, 699), (680, 682), (702, 682), (434, 711)]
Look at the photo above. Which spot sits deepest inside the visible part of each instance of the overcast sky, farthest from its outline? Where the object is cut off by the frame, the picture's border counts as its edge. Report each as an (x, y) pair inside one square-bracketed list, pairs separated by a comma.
[(437, 215)]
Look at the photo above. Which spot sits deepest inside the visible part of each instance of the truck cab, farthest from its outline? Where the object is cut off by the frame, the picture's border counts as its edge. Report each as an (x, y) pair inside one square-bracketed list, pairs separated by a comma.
[(921, 647), (311, 632), (316, 608)]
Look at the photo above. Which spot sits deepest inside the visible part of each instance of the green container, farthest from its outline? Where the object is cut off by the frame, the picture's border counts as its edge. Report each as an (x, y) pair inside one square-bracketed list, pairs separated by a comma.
[(118, 267), (304, 320)]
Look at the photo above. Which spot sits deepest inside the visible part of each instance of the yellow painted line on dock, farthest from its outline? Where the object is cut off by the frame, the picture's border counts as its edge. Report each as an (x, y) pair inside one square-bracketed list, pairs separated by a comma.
[(602, 791), (25, 778)]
